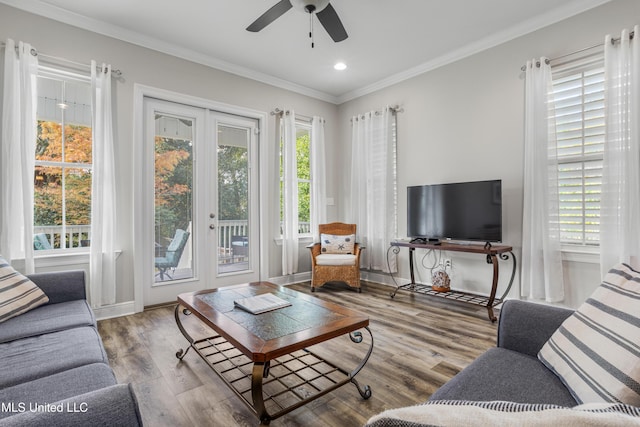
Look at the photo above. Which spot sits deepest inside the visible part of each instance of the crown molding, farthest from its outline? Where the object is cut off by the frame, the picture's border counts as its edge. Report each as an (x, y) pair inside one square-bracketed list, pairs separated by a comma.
[(39, 7), (541, 21)]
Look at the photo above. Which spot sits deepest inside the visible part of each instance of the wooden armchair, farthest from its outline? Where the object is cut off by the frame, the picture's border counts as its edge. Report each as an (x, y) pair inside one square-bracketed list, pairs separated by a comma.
[(337, 257)]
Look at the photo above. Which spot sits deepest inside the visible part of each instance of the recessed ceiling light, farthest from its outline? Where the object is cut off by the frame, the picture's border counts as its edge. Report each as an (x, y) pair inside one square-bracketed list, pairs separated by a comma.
[(340, 66)]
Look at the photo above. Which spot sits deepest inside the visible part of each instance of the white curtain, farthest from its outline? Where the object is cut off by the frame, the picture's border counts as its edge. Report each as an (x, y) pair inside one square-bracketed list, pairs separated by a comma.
[(620, 202), (542, 275), (19, 132), (103, 198), (290, 194), (373, 187), (318, 173)]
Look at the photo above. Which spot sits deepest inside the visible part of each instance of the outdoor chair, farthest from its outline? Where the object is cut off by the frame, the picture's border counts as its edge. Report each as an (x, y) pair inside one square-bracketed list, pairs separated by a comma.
[(336, 258), (41, 242), (172, 255), (239, 247)]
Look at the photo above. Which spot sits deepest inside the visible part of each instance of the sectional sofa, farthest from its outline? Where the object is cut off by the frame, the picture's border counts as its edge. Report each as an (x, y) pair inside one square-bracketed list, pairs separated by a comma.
[(509, 385), (54, 370)]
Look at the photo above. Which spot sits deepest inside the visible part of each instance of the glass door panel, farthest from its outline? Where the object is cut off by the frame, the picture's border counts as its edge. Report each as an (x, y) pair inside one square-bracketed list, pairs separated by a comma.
[(173, 201), (233, 204), (199, 208)]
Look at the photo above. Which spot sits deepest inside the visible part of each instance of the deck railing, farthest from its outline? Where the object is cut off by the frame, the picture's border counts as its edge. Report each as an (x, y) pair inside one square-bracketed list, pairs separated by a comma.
[(71, 235)]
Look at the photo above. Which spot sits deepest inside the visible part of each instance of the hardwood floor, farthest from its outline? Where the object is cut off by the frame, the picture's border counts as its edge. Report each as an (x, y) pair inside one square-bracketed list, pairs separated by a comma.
[(419, 343)]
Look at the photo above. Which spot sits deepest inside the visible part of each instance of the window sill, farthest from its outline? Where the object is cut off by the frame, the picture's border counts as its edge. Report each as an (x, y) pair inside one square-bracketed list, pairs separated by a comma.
[(584, 254), (54, 258)]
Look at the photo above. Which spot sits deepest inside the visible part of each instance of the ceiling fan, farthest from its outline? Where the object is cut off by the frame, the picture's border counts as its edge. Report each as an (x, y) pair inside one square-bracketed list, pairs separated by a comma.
[(326, 14)]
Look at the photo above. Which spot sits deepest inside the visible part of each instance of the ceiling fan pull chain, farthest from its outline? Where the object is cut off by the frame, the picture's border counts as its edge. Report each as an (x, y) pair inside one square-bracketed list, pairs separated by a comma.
[(311, 30)]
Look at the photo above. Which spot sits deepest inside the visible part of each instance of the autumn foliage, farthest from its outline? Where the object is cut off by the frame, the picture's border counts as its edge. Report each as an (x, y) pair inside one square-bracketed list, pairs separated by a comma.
[(172, 183), (71, 161), (77, 147), (166, 161)]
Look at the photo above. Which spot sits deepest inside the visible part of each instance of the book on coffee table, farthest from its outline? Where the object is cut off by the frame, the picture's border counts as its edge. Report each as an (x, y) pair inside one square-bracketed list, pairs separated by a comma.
[(261, 303)]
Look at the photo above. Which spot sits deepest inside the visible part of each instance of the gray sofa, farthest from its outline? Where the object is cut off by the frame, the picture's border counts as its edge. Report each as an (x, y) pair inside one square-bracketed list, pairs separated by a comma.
[(508, 385), (54, 370), (511, 371)]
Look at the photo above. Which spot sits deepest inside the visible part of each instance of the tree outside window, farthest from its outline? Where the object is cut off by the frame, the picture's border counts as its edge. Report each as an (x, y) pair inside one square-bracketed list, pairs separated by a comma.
[(303, 155), (173, 187)]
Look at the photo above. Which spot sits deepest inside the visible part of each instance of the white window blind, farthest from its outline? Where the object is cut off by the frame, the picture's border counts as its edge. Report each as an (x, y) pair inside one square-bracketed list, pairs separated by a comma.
[(578, 90)]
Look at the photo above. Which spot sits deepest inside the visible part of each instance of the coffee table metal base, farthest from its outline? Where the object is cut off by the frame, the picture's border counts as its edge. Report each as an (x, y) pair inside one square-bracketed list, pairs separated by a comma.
[(274, 388)]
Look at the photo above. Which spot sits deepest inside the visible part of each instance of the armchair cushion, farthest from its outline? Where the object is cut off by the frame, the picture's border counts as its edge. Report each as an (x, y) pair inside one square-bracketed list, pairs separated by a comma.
[(337, 244), (335, 259), (596, 351), (18, 294)]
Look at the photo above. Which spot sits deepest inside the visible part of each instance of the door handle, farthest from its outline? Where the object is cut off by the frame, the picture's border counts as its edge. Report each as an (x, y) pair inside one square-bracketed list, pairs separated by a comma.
[(211, 226)]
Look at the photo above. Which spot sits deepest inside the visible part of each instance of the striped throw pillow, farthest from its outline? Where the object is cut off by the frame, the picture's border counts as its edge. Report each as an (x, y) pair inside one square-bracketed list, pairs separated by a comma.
[(18, 294), (596, 351)]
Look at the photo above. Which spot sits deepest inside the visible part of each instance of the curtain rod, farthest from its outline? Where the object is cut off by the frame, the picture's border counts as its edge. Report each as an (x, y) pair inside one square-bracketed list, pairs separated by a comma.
[(34, 52), (613, 41), (279, 112), (394, 110)]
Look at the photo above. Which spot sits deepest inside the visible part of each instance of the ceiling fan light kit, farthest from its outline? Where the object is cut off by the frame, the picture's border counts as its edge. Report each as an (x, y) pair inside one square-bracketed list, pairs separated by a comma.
[(326, 14), (310, 6)]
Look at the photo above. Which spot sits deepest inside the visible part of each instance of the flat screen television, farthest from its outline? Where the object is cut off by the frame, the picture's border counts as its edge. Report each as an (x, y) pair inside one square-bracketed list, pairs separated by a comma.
[(458, 211)]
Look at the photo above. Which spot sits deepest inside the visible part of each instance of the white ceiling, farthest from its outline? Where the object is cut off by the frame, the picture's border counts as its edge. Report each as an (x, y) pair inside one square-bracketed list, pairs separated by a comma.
[(389, 40)]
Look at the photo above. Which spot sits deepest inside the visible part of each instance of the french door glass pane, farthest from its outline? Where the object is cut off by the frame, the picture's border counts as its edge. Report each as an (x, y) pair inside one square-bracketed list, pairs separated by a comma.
[(173, 198), (233, 198)]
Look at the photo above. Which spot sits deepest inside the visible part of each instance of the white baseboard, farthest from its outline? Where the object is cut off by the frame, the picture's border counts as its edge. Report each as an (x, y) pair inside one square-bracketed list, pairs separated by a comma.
[(128, 307), (368, 276), (115, 310), (383, 279), (291, 278)]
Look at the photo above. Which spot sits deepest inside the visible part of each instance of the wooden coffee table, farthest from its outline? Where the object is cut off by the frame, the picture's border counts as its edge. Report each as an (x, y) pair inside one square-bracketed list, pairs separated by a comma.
[(263, 358)]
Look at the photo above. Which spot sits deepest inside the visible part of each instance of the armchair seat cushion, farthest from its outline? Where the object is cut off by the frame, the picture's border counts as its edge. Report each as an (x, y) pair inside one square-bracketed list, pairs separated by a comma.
[(335, 259)]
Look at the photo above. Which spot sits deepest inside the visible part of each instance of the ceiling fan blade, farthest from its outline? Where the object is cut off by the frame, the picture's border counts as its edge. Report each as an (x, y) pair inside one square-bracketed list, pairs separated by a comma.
[(329, 19), (270, 15)]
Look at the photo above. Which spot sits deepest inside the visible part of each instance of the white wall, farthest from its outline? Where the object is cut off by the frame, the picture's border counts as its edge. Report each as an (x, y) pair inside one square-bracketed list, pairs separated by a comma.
[(465, 121), (151, 68)]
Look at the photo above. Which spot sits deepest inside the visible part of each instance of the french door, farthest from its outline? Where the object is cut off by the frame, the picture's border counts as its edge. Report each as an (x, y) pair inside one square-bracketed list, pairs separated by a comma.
[(202, 175)]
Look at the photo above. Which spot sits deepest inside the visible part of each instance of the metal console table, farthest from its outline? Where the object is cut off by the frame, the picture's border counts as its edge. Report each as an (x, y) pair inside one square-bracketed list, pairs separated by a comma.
[(492, 252)]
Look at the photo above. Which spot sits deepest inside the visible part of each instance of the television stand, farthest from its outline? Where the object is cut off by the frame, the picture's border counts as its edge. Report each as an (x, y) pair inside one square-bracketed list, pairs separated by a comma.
[(425, 241), (492, 253)]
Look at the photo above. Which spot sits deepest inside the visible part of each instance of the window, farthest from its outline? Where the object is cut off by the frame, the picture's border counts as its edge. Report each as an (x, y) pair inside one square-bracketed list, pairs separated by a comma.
[(578, 91), (62, 179), (303, 156)]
